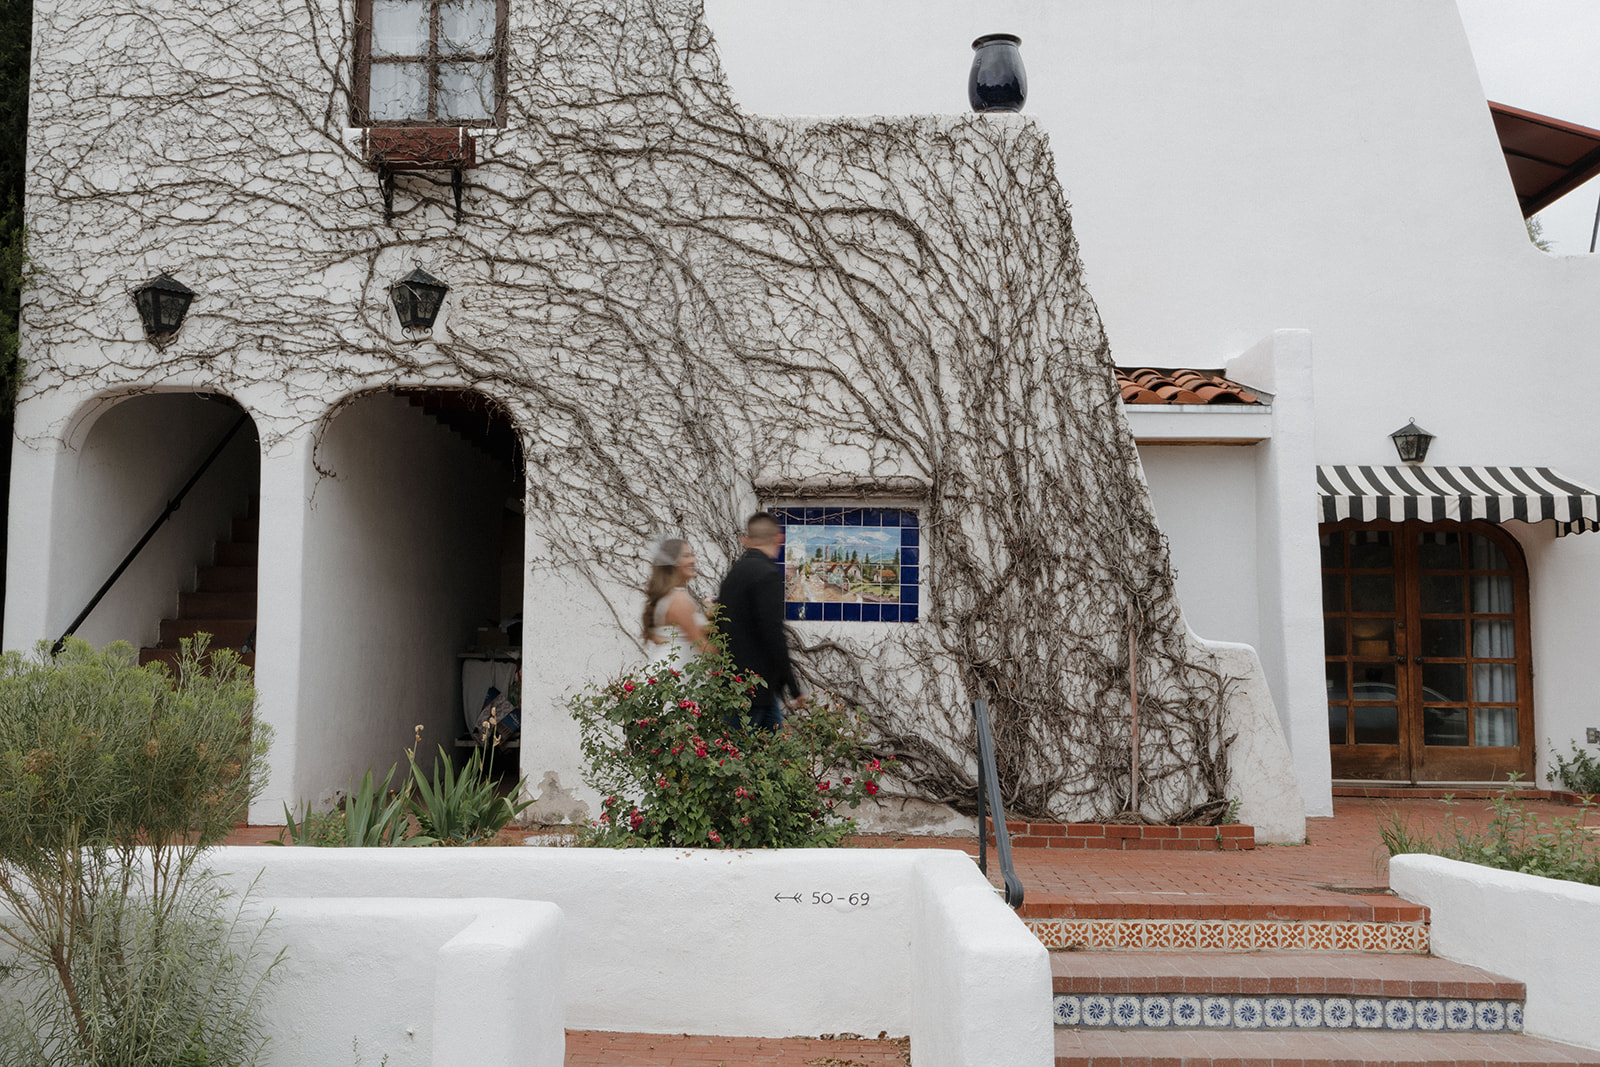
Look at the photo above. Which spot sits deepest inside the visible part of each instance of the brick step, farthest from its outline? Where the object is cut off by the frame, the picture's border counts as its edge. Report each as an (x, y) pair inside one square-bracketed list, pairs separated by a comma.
[(169, 656), (1289, 989), (1310, 1048), (229, 578), (217, 605), (237, 553), (1277, 974), (247, 529), (1127, 837), (1218, 936), (225, 633), (1368, 907)]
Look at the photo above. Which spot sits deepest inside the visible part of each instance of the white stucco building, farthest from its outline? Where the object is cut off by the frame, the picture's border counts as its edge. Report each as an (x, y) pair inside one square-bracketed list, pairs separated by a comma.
[(1308, 198)]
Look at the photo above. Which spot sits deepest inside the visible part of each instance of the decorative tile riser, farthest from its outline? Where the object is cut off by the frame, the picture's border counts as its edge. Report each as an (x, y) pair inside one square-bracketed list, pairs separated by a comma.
[(1229, 935), (1167, 1012)]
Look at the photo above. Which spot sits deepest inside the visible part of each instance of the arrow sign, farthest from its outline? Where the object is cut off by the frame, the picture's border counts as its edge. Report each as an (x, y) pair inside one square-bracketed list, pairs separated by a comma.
[(780, 896)]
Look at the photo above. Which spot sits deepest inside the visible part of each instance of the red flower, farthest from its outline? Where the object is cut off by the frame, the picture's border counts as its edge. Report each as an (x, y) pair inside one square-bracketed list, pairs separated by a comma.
[(874, 765), (715, 837), (662, 782), (627, 687), (700, 750), (847, 781), (649, 681), (823, 785), (872, 789)]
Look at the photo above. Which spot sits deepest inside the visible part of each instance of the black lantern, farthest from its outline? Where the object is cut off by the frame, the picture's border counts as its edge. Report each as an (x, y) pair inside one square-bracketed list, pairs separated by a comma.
[(162, 304), (417, 298), (1412, 442), (997, 80)]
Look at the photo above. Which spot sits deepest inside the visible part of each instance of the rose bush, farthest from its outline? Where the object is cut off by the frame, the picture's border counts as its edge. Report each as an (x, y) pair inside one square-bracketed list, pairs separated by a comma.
[(673, 754)]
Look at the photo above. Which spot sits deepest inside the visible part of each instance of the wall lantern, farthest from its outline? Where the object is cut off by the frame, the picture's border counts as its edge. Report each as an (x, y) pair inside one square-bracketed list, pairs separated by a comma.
[(1412, 442), (162, 304), (417, 298)]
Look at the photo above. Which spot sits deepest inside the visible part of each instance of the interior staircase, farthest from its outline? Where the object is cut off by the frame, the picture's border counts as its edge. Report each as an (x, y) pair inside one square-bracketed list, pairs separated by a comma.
[(224, 601)]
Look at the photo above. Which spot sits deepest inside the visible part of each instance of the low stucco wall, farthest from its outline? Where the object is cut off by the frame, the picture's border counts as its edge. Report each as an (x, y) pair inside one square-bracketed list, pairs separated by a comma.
[(1542, 932), (446, 983), (765, 944)]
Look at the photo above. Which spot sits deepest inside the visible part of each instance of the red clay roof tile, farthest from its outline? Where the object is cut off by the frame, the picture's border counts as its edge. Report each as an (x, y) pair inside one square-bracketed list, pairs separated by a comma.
[(1183, 385)]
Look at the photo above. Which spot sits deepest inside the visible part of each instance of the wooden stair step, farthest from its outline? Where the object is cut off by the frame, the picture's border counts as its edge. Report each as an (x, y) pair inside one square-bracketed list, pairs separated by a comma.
[(1276, 974), (169, 656), (237, 554), (1311, 1048), (228, 578), (217, 604), (225, 633)]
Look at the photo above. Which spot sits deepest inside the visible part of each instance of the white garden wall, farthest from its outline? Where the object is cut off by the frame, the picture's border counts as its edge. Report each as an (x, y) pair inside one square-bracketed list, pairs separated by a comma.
[(1542, 932), (413, 982), (672, 941)]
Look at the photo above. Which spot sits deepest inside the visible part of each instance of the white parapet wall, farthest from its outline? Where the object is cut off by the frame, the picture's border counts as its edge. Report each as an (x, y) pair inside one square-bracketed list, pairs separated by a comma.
[(410, 982), (762, 944), (1542, 932)]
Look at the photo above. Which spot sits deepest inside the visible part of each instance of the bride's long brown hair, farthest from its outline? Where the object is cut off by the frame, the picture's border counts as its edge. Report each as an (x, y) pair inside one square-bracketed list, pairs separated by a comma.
[(663, 579)]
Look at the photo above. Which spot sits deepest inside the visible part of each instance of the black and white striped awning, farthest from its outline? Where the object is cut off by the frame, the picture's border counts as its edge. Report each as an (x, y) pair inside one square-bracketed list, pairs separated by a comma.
[(1434, 494)]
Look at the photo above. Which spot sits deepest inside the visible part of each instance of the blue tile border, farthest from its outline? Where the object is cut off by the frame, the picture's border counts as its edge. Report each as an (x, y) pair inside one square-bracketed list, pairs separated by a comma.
[(1172, 1011)]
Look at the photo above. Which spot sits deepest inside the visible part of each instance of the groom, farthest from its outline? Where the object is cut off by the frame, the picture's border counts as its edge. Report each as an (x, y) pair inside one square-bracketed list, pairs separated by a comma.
[(751, 618)]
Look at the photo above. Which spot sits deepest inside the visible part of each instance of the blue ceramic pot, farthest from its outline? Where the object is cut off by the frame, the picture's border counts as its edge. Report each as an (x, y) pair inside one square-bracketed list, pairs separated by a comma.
[(998, 81)]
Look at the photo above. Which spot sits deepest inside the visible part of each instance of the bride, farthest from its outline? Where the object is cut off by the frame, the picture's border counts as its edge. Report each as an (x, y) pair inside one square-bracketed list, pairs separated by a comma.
[(674, 619)]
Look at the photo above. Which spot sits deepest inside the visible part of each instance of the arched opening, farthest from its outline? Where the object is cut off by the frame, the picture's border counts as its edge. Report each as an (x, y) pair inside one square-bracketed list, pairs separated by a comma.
[(197, 571), (412, 585), (1427, 649)]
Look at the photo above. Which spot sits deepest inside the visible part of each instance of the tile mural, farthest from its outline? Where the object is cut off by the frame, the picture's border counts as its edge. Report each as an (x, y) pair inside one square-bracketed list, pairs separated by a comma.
[(850, 564)]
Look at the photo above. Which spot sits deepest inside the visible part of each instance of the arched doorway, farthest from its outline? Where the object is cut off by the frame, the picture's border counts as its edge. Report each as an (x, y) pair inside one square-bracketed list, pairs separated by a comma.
[(166, 487), (1425, 630), (413, 583)]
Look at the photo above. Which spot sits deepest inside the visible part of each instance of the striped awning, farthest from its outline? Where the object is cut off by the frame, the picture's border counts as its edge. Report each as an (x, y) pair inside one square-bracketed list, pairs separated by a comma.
[(1434, 494)]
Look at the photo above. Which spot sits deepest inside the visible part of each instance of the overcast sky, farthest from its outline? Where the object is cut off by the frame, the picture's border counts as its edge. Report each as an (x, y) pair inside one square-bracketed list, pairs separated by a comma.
[(1544, 56)]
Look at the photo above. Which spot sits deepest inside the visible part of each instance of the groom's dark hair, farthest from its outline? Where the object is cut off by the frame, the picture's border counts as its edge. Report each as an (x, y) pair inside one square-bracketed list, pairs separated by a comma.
[(761, 527)]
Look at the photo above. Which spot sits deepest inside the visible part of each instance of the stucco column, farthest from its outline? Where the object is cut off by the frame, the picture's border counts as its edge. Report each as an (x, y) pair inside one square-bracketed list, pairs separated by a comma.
[(29, 613), (1289, 587), (280, 629)]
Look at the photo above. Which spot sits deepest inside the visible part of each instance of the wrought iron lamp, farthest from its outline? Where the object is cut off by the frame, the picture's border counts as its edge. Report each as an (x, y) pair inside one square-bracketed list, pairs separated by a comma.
[(1412, 442), (162, 303), (417, 298)]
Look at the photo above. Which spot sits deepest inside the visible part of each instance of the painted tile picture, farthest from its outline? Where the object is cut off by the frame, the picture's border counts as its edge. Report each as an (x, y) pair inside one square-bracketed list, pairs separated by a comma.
[(850, 564), (842, 563)]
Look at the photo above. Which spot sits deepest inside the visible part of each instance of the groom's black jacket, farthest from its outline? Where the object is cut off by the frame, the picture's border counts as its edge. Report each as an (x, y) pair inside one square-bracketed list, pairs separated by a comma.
[(751, 618)]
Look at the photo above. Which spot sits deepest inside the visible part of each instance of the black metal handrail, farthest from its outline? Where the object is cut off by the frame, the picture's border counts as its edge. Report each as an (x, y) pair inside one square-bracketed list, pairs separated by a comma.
[(991, 806), (172, 505)]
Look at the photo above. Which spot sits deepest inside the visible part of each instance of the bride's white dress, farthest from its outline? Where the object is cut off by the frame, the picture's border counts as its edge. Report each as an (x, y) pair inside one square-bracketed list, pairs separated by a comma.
[(675, 649)]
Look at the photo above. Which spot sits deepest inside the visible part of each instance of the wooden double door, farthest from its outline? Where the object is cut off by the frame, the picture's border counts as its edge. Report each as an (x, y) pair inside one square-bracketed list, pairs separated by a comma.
[(1425, 628)]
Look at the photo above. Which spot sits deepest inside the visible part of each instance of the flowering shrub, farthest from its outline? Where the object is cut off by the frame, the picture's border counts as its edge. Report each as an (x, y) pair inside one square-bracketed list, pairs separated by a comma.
[(679, 765)]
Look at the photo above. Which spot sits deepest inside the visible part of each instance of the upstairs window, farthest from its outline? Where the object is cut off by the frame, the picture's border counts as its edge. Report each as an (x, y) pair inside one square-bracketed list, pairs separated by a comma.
[(430, 62)]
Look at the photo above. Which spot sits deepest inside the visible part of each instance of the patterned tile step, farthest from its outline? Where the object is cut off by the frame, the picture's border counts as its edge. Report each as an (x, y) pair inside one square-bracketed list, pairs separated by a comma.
[(1310, 1048), (1277, 974), (1162, 1011), (1229, 935)]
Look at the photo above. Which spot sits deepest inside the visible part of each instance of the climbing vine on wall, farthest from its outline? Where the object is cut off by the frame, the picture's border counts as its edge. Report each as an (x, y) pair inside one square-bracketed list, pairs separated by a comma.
[(680, 304)]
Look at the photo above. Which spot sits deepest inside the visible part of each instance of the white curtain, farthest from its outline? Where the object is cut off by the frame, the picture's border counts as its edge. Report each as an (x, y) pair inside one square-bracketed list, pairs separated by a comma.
[(1494, 726), (1492, 593)]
